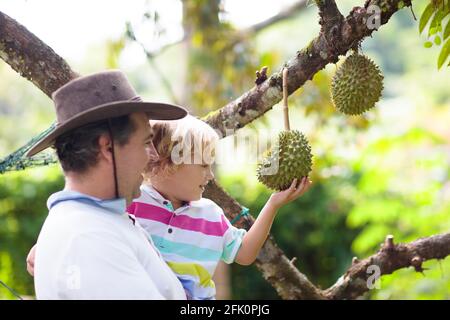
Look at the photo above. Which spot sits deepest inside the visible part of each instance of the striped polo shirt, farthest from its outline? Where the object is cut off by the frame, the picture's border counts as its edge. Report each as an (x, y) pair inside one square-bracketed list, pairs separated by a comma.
[(192, 239)]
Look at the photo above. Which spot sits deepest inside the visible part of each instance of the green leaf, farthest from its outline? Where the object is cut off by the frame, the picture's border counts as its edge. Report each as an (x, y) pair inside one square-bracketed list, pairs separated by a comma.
[(444, 54), (437, 40), (426, 15), (443, 7), (428, 44), (447, 31), (436, 22), (446, 7)]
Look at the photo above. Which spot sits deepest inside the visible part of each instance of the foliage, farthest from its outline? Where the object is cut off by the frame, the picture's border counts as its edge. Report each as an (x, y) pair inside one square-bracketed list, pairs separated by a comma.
[(434, 16), (23, 197), (403, 190)]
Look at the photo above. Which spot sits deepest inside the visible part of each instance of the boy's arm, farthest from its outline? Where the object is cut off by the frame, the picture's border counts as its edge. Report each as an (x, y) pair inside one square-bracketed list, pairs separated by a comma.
[(255, 237)]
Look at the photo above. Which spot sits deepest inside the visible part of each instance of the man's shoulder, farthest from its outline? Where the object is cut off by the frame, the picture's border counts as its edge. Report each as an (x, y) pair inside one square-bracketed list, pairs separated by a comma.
[(73, 226), (72, 206), (76, 209), (74, 217)]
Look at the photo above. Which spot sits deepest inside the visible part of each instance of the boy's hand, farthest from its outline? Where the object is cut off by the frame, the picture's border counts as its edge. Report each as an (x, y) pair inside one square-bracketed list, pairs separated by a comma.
[(30, 260), (281, 198)]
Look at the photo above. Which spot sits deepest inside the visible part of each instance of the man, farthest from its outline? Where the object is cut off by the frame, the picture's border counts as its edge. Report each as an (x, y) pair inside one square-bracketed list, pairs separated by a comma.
[(89, 248)]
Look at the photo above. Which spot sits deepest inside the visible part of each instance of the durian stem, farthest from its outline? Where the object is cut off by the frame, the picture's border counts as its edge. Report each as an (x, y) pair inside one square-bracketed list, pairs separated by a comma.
[(287, 127)]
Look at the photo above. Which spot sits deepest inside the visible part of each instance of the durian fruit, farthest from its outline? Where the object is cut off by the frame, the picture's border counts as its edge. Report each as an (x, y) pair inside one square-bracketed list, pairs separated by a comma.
[(357, 85), (289, 158)]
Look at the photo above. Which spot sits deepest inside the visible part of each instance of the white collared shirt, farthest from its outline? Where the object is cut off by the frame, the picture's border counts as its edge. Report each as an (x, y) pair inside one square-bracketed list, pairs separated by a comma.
[(89, 249)]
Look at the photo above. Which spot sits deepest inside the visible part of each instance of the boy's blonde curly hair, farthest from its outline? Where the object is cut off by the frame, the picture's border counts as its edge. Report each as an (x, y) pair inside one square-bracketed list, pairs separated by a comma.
[(184, 141)]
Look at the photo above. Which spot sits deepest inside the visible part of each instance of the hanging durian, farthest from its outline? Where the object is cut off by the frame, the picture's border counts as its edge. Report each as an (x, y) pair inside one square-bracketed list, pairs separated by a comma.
[(356, 85), (289, 158)]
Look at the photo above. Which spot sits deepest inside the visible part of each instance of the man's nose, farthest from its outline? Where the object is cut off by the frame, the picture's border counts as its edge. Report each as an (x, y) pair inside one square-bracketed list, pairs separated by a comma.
[(153, 154)]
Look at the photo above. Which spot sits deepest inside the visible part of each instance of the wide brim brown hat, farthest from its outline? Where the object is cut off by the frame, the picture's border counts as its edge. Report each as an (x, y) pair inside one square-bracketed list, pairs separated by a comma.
[(98, 97)]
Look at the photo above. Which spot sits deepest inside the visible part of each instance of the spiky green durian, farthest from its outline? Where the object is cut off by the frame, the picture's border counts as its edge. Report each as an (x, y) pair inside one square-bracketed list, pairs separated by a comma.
[(289, 158), (357, 85)]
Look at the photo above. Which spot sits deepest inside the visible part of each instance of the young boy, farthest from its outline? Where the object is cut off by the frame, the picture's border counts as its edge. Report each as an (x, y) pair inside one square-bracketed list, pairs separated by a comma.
[(191, 232)]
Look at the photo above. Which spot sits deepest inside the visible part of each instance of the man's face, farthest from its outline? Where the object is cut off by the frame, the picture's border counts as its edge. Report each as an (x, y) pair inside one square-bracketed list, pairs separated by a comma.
[(132, 158)]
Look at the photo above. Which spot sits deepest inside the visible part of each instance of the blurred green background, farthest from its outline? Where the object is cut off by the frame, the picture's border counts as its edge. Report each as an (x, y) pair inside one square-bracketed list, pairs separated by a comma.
[(386, 172)]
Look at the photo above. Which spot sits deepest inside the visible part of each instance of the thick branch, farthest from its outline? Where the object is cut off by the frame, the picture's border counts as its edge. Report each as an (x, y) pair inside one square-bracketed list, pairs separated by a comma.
[(344, 35), (327, 9), (330, 20), (32, 58), (390, 258)]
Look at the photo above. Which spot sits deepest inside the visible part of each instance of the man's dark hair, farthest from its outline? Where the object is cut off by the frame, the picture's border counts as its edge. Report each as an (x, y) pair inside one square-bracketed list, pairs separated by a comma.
[(78, 149)]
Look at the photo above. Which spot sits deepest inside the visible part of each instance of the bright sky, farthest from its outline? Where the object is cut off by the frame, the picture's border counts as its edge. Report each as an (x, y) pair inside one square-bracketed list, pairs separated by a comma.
[(70, 27)]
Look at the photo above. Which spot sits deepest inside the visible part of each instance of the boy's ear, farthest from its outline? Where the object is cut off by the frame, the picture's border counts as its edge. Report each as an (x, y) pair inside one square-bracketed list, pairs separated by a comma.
[(164, 168)]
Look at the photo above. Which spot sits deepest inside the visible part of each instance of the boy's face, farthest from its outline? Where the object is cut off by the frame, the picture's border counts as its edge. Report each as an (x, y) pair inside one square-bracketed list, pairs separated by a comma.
[(188, 181)]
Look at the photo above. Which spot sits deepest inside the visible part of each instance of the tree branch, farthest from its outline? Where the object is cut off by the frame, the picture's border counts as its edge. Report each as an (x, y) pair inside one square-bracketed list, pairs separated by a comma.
[(32, 58), (390, 258), (327, 9), (331, 21), (344, 35), (151, 59), (284, 14)]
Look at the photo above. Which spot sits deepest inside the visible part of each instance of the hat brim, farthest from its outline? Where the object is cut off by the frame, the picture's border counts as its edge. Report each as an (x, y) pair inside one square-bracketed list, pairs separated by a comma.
[(155, 111)]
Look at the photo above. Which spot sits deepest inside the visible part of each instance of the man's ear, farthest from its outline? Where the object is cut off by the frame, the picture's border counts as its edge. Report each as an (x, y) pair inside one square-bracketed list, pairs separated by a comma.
[(105, 147)]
